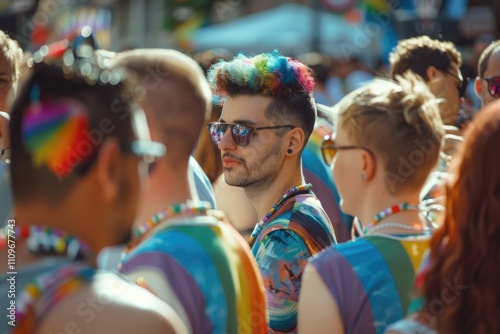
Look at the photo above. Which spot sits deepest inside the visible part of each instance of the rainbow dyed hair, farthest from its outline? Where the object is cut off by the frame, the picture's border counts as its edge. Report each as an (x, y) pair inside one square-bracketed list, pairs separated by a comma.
[(268, 74), (54, 135), (287, 81)]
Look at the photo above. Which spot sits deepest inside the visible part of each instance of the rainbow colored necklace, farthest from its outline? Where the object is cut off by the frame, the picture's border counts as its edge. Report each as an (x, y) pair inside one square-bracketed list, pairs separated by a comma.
[(289, 193), (50, 287), (393, 210), (188, 209), (46, 241)]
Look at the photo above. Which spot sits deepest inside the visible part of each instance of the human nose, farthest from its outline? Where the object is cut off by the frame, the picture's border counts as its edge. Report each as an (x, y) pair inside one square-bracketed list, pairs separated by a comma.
[(227, 142)]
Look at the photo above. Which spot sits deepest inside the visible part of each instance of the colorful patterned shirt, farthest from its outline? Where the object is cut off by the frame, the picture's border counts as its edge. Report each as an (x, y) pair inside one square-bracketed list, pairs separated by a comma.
[(371, 278), (204, 270), (300, 228)]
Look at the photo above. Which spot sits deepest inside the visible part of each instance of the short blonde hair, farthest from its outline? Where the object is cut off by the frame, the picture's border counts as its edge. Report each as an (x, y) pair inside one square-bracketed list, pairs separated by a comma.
[(10, 49), (400, 123)]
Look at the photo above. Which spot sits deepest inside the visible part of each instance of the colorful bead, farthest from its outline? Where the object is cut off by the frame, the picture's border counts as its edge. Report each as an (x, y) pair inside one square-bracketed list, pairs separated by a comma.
[(393, 210), (40, 239), (187, 209)]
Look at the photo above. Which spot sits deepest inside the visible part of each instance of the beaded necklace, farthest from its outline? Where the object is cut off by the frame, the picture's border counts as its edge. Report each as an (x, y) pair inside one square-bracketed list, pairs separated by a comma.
[(45, 241), (417, 228), (288, 194), (187, 209), (392, 210), (49, 288)]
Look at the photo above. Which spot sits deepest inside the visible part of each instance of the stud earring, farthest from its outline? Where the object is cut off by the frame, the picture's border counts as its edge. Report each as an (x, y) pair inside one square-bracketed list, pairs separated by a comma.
[(363, 176), (289, 151)]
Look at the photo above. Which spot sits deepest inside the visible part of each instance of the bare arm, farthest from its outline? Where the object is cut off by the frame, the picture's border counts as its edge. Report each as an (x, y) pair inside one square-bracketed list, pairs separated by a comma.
[(318, 311), (112, 305)]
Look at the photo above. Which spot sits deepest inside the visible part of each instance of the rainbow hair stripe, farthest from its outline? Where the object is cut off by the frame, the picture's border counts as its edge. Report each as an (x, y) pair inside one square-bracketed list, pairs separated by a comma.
[(269, 74), (54, 134)]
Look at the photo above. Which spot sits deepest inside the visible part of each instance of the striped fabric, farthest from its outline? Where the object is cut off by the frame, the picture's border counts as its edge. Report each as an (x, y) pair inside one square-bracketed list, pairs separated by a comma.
[(371, 279), (319, 175), (204, 270), (298, 230)]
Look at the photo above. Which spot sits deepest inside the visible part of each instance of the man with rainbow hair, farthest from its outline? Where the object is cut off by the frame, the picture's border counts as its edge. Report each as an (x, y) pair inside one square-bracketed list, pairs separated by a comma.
[(267, 117)]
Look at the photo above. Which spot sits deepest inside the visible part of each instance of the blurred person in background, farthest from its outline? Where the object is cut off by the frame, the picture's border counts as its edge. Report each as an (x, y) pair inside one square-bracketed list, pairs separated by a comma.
[(195, 262), (487, 83), (268, 115), (457, 287), (11, 57), (76, 167), (363, 285), (438, 64)]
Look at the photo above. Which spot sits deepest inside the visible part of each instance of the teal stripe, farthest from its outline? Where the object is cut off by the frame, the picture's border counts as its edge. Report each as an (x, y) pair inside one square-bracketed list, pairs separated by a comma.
[(399, 264), (375, 276), (198, 263)]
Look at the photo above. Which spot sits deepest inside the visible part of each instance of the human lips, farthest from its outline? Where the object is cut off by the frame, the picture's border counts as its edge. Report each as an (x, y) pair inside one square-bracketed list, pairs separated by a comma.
[(229, 162)]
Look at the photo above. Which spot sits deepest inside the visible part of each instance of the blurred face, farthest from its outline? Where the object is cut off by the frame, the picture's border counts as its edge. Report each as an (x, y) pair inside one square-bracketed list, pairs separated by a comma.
[(492, 72), (447, 86), (5, 82), (257, 164), (346, 170)]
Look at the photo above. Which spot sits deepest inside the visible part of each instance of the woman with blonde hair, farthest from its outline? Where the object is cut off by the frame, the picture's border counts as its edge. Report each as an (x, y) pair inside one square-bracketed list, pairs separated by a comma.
[(387, 140)]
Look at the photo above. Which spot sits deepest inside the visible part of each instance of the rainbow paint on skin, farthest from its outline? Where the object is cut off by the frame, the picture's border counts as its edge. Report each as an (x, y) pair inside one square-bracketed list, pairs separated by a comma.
[(54, 135), (270, 74)]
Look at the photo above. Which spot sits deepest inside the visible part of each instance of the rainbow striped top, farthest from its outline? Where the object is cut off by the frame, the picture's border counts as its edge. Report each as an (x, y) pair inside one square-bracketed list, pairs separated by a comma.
[(204, 269), (371, 278)]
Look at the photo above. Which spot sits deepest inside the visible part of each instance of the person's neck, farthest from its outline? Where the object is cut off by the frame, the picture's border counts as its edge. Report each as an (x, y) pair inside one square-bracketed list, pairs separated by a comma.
[(406, 217), (164, 189), (264, 198), (73, 220)]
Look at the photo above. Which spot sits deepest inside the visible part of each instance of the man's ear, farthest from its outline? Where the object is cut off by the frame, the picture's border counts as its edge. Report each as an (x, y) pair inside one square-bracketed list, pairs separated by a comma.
[(108, 169), (431, 72), (477, 87), (296, 141)]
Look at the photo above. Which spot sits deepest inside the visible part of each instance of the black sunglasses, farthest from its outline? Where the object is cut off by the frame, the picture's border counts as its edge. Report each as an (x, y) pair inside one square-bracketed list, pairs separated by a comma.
[(462, 86), (493, 86), (329, 149), (241, 133)]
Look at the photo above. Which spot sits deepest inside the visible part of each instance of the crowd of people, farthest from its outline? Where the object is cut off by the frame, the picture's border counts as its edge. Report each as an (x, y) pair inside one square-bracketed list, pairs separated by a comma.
[(150, 191)]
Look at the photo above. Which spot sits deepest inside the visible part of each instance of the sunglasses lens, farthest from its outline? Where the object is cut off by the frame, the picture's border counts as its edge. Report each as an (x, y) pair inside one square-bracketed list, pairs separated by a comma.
[(328, 151), (494, 87), (241, 134), (217, 131)]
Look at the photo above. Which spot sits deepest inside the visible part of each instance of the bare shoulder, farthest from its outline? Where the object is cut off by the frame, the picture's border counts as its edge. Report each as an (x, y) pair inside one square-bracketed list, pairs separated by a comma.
[(109, 304)]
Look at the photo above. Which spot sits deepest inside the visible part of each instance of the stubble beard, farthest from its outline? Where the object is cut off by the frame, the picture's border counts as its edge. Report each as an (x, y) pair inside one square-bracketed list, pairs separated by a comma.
[(255, 178)]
